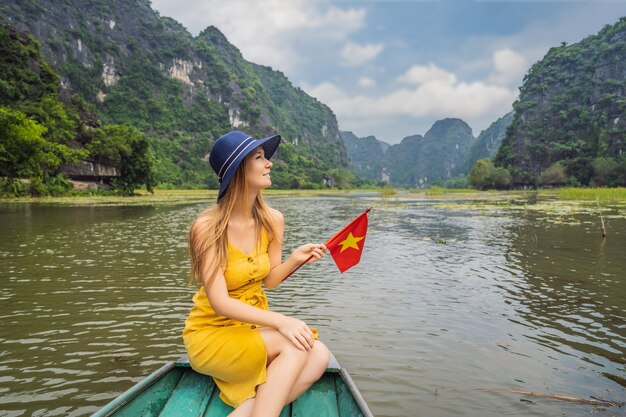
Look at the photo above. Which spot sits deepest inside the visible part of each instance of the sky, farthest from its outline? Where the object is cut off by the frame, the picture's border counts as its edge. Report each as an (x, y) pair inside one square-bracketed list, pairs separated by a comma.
[(392, 68)]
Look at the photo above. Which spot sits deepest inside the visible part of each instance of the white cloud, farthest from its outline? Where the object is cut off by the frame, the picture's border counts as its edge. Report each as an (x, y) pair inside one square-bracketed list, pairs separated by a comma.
[(532, 42), (353, 54), (419, 74), (366, 82), (509, 66), (268, 32), (433, 99), (436, 94)]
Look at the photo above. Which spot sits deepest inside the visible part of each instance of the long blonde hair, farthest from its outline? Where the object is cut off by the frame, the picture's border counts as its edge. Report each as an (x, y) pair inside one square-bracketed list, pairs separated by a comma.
[(208, 235)]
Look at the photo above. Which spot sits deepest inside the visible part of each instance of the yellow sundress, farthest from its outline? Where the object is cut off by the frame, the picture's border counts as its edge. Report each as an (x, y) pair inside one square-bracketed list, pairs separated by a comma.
[(230, 351)]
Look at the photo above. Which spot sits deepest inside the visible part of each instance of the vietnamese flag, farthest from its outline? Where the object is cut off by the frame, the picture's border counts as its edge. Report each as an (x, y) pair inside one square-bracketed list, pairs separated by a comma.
[(346, 246)]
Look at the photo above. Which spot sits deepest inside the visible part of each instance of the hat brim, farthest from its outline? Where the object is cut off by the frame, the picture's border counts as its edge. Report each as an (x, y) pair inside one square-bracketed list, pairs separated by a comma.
[(269, 144)]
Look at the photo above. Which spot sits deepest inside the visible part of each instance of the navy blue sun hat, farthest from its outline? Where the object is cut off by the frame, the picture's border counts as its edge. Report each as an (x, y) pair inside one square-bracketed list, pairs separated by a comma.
[(229, 150)]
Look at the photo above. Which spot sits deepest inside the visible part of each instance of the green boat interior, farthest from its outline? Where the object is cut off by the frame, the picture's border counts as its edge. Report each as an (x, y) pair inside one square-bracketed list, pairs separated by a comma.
[(176, 390)]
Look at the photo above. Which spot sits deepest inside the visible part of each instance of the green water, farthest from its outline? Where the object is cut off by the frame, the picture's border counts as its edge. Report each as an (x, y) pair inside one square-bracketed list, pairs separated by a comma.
[(93, 299)]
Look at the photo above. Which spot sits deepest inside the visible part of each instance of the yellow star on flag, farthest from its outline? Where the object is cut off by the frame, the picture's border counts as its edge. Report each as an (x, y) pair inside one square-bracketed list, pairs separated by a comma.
[(350, 242)]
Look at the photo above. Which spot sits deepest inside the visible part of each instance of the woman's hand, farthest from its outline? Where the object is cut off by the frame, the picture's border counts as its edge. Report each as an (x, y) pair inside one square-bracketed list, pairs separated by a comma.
[(310, 250), (297, 332)]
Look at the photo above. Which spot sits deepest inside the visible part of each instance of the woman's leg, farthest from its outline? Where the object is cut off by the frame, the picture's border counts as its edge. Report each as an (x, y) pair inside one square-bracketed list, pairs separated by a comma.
[(244, 409), (316, 363), (286, 362)]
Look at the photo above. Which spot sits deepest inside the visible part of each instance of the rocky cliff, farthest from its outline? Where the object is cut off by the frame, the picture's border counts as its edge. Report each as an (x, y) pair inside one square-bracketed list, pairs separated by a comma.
[(571, 110), (145, 70), (437, 156), (366, 155), (417, 161), (489, 140)]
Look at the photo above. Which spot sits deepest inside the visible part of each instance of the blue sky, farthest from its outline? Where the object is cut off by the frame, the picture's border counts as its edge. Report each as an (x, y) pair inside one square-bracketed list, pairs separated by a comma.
[(392, 68)]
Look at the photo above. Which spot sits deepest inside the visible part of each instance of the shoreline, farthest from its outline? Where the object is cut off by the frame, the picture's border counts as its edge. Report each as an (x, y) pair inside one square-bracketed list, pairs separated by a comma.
[(582, 196)]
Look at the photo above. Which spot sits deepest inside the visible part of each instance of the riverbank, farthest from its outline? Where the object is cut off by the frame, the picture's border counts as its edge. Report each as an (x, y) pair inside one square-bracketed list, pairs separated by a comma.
[(583, 196), (162, 197), (603, 195)]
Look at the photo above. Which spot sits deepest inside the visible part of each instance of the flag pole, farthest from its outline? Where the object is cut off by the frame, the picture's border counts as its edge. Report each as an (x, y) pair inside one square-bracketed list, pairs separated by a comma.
[(367, 210)]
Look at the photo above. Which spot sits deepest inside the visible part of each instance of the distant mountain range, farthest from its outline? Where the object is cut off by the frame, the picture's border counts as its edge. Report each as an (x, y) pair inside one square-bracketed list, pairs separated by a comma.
[(567, 127), (365, 155), (446, 151), (569, 124)]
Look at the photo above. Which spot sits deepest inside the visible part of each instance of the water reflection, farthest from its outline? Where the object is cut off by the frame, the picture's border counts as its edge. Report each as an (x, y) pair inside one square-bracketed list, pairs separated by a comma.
[(88, 303), (572, 296), (93, 299)]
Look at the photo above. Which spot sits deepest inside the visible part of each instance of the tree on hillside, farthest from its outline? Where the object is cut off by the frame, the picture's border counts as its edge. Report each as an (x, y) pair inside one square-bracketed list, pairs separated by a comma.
[(25, 153), (609, 172), (481, 171), (21, 144), (554, 175), (501, 179), (484, 175), (127, 149)]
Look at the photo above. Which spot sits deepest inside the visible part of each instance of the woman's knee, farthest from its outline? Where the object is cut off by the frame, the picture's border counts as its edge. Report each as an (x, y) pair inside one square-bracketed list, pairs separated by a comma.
[(319, 357), (317, 362)]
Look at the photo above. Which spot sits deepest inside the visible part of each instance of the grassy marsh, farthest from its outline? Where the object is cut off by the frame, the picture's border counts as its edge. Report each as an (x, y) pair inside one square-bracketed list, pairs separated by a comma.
[(561, 201)]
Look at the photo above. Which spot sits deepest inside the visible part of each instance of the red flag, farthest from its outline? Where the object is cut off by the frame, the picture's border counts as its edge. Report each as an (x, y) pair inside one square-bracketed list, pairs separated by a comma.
[(346, 246)]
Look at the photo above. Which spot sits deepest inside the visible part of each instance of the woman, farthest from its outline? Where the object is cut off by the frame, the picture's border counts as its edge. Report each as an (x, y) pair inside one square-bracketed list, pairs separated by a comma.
[(260, 360)]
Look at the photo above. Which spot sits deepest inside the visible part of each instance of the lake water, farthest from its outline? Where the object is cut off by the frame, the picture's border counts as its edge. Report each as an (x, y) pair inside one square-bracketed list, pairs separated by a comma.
[(446, 301)]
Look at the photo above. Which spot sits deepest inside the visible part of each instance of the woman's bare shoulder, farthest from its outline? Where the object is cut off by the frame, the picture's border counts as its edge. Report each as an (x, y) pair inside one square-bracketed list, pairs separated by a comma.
[(277, 216), (203, 219)]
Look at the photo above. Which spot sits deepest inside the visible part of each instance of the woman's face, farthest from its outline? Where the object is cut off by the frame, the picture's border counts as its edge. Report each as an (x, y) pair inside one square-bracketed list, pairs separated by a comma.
[(258, 170)]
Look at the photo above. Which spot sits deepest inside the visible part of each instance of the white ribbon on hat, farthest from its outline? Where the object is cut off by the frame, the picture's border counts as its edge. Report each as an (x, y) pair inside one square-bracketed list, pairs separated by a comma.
[(237, 156)]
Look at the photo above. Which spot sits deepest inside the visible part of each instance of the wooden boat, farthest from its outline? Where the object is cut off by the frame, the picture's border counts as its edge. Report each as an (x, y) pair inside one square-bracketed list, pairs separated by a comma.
[(176, 390)]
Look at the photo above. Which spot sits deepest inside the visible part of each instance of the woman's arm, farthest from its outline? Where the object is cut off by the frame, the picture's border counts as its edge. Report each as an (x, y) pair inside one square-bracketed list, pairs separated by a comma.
[(222, 304), (280, 269), (295, 330)]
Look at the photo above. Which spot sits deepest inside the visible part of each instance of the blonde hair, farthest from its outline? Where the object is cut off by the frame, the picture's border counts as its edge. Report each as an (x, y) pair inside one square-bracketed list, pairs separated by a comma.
[(208, 235)]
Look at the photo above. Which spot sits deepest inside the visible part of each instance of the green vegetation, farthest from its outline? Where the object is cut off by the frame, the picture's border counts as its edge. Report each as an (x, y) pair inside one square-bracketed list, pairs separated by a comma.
[(128, 149), (554, 175), (25, 153), (593, 194), (458, 182), (553, 201), (160, 197), (609, 172), (181, 92), (386, 192), (484, 175), (35, 128), (434, 190), (437, 157), (489, 140), (366, 156), (40, 134), (569, 124)]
